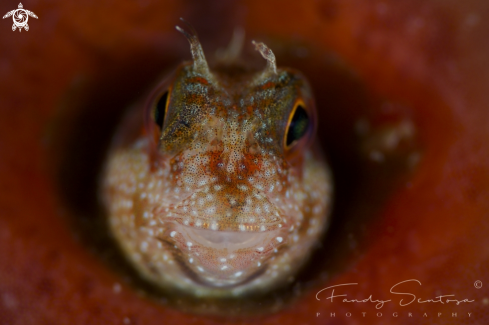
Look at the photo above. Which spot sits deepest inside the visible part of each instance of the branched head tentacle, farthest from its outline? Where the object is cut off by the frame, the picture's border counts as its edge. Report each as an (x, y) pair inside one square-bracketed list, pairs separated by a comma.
[(200, 63), (267, 55)]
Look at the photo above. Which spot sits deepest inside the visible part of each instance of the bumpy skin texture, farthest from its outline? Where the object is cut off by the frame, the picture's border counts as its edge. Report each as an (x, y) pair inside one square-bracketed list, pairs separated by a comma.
[(213, 202)]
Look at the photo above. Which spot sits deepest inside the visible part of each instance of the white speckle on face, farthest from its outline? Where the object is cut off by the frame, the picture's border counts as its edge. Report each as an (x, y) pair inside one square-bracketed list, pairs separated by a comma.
[(173, 233), (260, 249), (202, 182), (279, 239), (144, 246)]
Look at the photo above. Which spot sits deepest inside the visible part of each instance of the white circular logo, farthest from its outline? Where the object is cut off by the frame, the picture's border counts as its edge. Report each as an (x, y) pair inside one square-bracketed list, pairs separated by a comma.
[(20, 17)]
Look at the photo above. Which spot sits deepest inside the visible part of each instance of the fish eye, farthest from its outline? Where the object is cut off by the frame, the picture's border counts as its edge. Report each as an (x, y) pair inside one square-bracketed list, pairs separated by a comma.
[(298, 125), (160, 108)]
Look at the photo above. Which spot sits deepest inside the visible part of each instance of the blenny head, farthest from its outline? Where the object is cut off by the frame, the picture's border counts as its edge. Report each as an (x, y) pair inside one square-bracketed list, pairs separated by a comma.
[(224, 197)]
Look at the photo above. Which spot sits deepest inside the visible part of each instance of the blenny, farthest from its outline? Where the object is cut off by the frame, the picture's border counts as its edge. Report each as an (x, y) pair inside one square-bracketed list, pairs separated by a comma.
[(223, 193)]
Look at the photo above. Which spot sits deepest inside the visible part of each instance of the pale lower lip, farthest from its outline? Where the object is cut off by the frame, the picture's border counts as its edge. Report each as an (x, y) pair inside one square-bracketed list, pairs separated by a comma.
[(230, 240)]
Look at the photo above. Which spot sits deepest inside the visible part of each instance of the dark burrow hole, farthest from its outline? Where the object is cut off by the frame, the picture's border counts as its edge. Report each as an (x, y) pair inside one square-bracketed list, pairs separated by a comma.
[(91, 110)]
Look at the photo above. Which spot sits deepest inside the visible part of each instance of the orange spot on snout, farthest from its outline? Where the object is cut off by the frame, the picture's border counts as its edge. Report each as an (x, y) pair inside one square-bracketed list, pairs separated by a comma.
[(199, 80)]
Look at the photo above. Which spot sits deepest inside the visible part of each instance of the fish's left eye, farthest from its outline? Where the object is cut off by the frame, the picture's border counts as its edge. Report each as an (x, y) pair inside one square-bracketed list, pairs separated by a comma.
[(298, 125)]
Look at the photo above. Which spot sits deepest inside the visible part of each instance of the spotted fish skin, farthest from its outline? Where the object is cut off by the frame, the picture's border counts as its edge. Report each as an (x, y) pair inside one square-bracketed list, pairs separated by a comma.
[(215, 201)]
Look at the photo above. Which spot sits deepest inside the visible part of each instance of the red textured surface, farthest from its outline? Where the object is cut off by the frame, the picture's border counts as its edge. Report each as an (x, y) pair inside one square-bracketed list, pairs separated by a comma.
[(429, 54)]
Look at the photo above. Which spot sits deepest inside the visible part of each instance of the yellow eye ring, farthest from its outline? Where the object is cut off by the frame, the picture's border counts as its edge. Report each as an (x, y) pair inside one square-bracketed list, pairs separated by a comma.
[(298, 124), (160, 108)]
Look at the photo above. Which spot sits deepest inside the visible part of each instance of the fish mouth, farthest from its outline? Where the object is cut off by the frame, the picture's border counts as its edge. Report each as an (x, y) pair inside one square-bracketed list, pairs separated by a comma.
[(229, 240), (224, 258), (224, 234)]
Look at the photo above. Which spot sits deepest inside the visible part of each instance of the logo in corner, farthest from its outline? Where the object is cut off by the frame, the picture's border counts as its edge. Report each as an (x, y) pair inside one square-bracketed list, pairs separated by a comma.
[(20, 17)]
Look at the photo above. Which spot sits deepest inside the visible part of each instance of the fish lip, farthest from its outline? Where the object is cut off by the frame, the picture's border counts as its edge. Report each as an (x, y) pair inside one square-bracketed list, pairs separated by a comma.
[(216, 238), (222, 283), (251, 252)]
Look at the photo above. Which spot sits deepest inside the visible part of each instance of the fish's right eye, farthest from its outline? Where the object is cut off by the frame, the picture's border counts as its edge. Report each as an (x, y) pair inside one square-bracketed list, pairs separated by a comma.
[(160, 108)]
